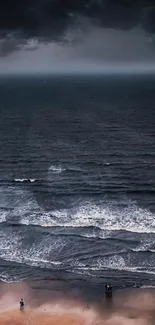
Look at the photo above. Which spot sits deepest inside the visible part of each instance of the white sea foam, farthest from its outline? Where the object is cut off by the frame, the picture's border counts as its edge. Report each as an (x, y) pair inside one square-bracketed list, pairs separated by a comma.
[(56, 169), (3, 216), (107, 218), (25, 180), (114, 263), (144, 246), (104, 218), (47, 253), (107, 164), (43, 254)]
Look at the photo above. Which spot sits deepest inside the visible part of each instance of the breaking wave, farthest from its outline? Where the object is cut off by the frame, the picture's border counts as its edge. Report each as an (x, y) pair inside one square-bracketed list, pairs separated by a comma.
[(22, 180), (56, 229), (21, 206), (50, 253), (106, 218)]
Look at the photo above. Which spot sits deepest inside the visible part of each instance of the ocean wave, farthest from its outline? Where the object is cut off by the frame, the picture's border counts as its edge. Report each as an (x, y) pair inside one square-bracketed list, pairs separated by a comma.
[(118, 262), (115, 263), (145, 246), (40, 262), (88, 271), (25, 180), (8, 278), (106, 218), (56, 169), (143, 250), (101, 222), (101, 218), (33, 254), (57, 252)]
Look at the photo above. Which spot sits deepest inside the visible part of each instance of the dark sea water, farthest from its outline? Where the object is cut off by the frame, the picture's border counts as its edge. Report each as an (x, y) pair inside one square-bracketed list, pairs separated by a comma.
[(77, 179)]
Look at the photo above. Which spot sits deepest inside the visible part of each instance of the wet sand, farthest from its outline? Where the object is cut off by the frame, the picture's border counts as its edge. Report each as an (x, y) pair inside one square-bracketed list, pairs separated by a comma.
[(48, 307)]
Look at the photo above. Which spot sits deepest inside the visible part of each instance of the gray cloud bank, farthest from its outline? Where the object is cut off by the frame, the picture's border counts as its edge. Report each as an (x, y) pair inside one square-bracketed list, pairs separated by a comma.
[(52, 35)]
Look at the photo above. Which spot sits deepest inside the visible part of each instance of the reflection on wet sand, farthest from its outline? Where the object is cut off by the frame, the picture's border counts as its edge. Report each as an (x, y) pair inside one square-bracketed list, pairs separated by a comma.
[(48, 307)]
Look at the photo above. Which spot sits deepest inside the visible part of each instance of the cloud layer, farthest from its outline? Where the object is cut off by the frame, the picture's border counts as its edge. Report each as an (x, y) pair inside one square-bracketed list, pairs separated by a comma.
[(51, 17), (52, 35)]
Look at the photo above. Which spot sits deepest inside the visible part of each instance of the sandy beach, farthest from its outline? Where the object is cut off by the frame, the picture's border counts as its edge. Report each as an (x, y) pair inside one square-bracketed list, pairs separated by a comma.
[(129, 307), (17, 318)]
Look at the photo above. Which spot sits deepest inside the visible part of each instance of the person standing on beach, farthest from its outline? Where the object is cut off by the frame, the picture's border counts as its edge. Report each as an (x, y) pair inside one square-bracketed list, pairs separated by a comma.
[(21, 304), (108, 290)]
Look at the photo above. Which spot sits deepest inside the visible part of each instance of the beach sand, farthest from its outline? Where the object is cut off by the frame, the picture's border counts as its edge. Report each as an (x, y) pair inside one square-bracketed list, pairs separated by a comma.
[(28, 317), (46, 307)]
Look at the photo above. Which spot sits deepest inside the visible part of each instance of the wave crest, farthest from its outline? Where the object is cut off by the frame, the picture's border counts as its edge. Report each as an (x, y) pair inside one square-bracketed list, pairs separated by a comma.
[(22, 180)]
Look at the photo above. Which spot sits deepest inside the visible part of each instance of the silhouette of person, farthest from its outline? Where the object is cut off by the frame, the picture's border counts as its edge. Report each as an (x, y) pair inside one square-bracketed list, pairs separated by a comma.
[(21, 304)]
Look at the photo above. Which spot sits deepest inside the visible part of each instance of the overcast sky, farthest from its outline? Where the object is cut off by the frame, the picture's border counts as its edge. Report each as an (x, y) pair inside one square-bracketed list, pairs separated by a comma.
[(80, 39)]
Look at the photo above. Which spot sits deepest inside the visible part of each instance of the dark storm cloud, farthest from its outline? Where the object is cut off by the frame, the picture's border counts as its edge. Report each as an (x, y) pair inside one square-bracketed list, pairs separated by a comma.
[(67, 35), (51, 17)]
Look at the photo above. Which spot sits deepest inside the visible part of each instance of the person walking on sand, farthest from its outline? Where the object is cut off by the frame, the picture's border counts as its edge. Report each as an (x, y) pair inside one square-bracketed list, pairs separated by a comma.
[(21, 304)]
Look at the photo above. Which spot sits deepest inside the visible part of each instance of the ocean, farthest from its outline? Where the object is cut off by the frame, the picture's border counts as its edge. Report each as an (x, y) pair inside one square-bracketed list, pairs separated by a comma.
[(77, 180)]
